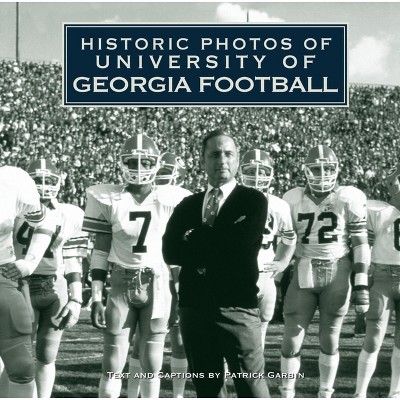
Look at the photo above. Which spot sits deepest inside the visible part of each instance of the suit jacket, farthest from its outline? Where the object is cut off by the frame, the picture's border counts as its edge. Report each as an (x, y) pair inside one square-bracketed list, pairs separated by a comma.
[(228, 250)]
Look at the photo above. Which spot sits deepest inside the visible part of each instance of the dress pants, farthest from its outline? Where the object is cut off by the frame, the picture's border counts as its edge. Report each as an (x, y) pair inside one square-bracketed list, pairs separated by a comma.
[(211, 334)]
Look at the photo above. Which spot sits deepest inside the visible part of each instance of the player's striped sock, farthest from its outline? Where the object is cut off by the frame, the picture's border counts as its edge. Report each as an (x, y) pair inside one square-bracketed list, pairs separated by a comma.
[(328, 365), (150, 388), (134, 383), (290, 366), (365, 369), (21, 390), (45, 375), (395, 381), (109, 387), (178, 366), (3, 380), (152, 363), (264, 327)]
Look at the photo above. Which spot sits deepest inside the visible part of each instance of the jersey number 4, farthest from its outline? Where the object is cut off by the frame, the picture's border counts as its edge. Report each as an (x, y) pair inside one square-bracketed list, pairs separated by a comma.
[(326, 229), (24, 237), (397, 234), (139, 247)]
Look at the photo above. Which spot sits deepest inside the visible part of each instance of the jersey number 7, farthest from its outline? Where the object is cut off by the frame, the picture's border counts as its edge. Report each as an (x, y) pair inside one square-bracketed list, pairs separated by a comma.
[(139, 247)]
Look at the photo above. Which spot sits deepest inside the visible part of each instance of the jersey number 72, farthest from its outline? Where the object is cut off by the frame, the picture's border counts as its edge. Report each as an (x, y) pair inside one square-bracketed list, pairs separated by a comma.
[(322, 238)]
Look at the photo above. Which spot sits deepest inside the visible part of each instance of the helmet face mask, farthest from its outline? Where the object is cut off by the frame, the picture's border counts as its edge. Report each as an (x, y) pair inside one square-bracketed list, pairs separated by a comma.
[(393, 180), (46, 177), (172, 170), (256, 170), (139, 160), (321, 168)]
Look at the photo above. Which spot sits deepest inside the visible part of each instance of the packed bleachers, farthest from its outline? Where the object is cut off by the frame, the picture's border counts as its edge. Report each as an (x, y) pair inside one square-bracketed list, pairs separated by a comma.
[(85, 142)]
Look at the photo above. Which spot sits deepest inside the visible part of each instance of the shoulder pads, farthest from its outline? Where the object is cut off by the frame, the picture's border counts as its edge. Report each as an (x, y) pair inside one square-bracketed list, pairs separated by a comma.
[(170, 196), (376, 205), (351, 194), (104, 193)]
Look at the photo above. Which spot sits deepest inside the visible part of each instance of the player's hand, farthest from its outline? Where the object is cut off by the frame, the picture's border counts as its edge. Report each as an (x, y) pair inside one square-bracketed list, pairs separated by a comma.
[(361, 300), (69, 315), (19, 269), (275, 267), (11, 271), (97, 315)]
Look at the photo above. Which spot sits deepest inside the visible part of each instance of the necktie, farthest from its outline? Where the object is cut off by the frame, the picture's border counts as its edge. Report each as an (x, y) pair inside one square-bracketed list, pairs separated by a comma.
[(211, 210), (210, 214)]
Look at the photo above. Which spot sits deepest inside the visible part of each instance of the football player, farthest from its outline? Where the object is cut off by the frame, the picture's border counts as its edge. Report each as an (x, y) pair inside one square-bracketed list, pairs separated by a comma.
[(325, 216), (55, 286), (383, 225), (172, 172), (256, 170), (19, 198), (129, 221)]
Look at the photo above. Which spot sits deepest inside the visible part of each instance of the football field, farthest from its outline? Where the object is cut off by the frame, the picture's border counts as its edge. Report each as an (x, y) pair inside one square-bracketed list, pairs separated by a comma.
[(79, 363)]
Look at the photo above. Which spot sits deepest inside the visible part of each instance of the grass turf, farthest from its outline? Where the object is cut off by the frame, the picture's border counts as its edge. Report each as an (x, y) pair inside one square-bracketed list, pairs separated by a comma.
[(80, 355)]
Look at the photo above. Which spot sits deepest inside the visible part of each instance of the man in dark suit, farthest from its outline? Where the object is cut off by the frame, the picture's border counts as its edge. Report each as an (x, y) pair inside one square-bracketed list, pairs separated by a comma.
[(215, 237)]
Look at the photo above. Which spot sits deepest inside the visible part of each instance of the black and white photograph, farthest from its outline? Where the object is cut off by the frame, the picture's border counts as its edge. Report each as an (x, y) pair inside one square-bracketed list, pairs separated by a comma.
[(236, 239)]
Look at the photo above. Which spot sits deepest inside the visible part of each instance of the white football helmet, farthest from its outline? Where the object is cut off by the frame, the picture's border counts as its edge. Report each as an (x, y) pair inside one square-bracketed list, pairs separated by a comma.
[(47, 178), (321, 169), (393, 180), (256, 169), (172, 170), (142, 149)]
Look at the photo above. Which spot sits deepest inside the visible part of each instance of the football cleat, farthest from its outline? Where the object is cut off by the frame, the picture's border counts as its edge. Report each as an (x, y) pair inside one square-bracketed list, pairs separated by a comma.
[(47, 178), (321, 169), (256, 169), (393, 180), (172, 170), (139, 160)]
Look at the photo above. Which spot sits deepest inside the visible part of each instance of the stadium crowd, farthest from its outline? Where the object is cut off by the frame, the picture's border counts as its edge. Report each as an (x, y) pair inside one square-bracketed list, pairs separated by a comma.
[(85, 142)]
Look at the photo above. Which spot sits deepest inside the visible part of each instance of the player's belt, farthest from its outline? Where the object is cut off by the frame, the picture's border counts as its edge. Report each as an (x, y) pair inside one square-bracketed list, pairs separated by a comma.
[(316, 273), (266, 246), (318, 263), (386, 266), (392, 269), (139, 279), (39, 277), (40, 283), (133, 270)]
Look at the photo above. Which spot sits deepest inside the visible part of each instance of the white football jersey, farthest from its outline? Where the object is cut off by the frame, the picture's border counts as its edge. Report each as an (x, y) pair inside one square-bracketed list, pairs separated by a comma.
[(136, 229), (279, 226), (67, 241), (19, 198), (383, 225), (323, 230)]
